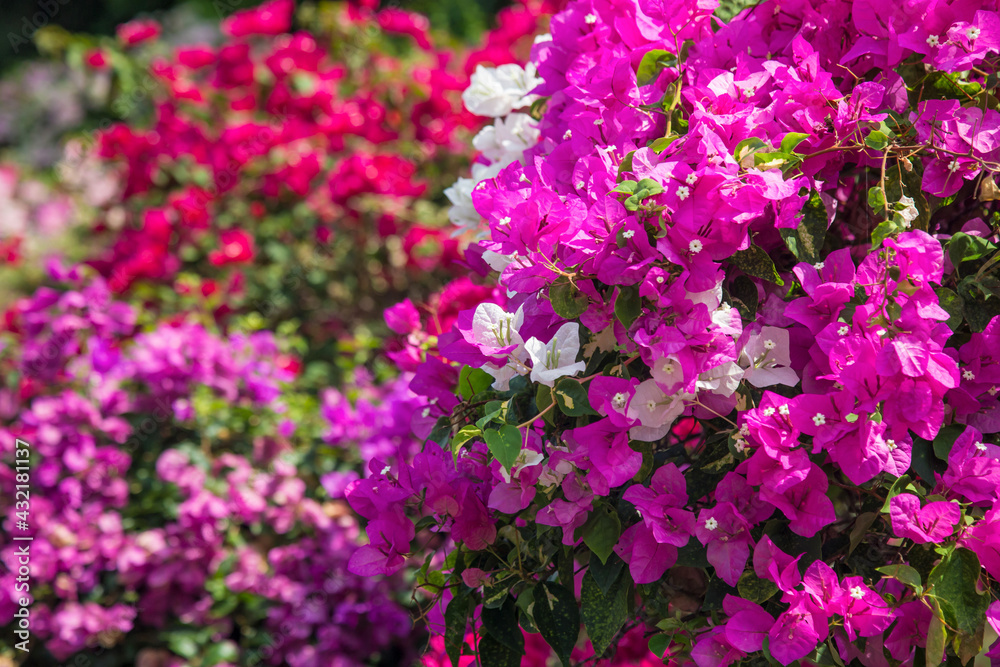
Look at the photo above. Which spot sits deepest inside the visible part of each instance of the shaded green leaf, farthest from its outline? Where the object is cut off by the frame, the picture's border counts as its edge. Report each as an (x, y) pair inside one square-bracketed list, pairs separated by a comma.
[(628, 305), (755, 589), (456, 617), (601, 532), (501, 624), (568, 302), (605, 573), (754, 261), (952, 304), (603, 613), (557, 618), (571, 398), (493, 653), (953, 582)]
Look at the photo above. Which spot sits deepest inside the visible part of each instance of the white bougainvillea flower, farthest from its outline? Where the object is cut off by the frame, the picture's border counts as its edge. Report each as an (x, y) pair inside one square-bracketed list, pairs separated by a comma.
[(722, 380), (463, 213), (495, 332), (557, 358), (655, 411), (495, 92), (494, 329), (506, 140), (765, 359)]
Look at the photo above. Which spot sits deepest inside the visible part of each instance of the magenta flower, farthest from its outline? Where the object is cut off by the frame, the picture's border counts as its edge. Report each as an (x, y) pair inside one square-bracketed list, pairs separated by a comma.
[(934, 522)]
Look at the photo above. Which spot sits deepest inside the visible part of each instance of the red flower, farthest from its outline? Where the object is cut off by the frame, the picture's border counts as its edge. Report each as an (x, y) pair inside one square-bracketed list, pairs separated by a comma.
[(237, 247), (97, 59), (138, 31), (271, 18)]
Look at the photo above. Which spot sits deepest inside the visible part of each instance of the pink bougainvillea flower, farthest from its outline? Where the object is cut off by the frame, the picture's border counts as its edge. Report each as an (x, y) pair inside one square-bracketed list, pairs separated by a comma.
[(934, 522), (237, 248)]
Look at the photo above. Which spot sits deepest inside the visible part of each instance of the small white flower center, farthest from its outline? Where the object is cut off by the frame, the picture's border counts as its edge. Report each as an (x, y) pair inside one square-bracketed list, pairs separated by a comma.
[(953, 166), (819, 419), (683, 192), (891, 444), (783, 409), (768, 411), (972, 33), (933, 40), (568, 135), (968, 375), (857, 592), (992, 391), (628, 233), (844, 330), (659, 280), (504, 221), (769, 345), (711, 523), (618, 400), (651, 405), (690, 179), (695, 246), (590, 19), (820, 265), (667, 367), (980, 446)]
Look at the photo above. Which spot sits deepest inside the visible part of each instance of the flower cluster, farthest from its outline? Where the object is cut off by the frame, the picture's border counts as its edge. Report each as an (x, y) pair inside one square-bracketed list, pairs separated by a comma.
[(302, 152), (779, 230), (141, 528)]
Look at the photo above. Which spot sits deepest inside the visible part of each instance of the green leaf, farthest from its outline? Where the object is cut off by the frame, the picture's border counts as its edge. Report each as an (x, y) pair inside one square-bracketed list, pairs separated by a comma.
[(601, 532), (456, 617), (945, 440), (937, 636), (568, 302), (743, 293), (882, 231), (755, 589), (877, 140), (464, 434), (606, 573), (603, 613), (953, 582), (901, 485), (966, 248), (492, 653), (492, 411), (876, 199), (792, 140), (557, 618), (952, 304), (495, 594), (748, 147), (183, 644), (571, 398), (504, 444), (658, 644), (471, 381), (904, 574), (628, 305), (225, 651), (774, 160), (626, 188), (754, 261), (652, 64), (661, 144), (501, 624)]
